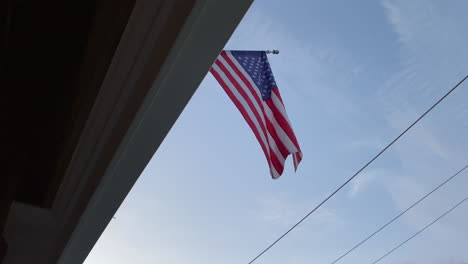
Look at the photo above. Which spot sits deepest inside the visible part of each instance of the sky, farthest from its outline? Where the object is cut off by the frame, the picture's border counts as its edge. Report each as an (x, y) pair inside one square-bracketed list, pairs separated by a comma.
[(353, 75)]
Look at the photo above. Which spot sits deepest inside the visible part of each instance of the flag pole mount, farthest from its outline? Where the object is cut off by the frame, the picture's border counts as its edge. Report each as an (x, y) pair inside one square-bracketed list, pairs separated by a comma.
[(272, 52)]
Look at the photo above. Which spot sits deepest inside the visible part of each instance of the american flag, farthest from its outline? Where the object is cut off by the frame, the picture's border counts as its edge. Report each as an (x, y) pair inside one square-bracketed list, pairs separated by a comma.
[(247, 79)]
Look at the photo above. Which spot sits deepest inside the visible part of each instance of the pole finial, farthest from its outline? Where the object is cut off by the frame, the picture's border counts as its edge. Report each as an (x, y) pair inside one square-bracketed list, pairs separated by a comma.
[(272, 51)]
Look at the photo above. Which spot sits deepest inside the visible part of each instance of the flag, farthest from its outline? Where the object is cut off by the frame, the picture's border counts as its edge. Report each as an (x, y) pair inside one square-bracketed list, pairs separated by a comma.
[(247, 79)]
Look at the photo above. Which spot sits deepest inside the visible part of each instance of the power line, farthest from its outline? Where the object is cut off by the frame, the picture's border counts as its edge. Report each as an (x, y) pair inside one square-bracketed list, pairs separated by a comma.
[(399, 215), (420, 231), (359, 171)]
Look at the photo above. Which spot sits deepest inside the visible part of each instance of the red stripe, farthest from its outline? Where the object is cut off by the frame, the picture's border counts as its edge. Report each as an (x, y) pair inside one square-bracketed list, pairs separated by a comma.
[(276, 91), (281, 147), (283, 123), (242, 110), (279, 166), (244, 95), (297, 159)]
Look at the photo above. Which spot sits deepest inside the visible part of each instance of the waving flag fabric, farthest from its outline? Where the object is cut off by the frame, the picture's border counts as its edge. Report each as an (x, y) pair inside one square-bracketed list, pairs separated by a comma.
[(247, 79)]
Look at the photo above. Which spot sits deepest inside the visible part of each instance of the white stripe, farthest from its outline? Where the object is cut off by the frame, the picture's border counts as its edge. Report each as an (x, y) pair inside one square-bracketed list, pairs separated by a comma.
[(280, 106), (244, 87), (273, 172), (287, 142), (244, 105), (277, 102), (275, 149), (295, 160)]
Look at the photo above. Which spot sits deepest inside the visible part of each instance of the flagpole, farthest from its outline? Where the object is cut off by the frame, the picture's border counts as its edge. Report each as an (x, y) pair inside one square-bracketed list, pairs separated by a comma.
[(272, 51)]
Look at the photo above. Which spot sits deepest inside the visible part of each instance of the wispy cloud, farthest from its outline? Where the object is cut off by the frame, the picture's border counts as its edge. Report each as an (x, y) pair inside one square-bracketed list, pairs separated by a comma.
[(430, 42), (279, 209), (429, 54), (274, 208), (360, 183), (423, 136), (366, 143)]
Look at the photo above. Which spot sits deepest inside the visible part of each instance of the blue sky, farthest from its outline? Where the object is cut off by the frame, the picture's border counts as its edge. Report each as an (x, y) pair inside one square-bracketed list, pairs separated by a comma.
[(353, 75)]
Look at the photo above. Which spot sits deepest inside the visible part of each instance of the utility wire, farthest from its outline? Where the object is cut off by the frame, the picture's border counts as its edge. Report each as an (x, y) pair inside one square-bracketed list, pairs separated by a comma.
[(359, 171), (420, 231), (402, 213)]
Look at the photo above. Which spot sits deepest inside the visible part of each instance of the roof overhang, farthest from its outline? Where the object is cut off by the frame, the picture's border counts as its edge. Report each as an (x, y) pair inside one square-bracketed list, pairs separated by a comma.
[(206, 31), (147, 85)]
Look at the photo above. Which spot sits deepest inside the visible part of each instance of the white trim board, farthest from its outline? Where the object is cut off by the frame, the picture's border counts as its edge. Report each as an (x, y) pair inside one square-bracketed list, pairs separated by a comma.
[(208, 28)]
